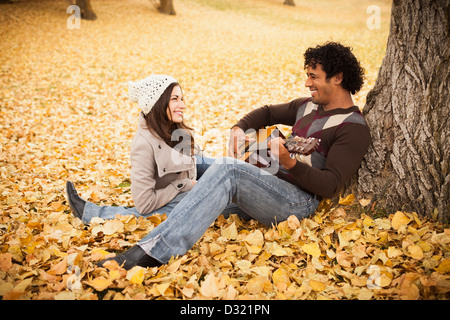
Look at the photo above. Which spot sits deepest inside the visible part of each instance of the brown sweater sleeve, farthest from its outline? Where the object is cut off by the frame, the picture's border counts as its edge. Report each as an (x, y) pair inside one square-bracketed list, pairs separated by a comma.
[(343, 160), (271, 114)]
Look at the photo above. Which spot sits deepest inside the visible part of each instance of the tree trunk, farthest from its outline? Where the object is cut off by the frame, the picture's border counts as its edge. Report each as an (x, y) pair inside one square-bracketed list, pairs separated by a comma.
[(167, 7), (407, 165), (87, 12), (289, 3)]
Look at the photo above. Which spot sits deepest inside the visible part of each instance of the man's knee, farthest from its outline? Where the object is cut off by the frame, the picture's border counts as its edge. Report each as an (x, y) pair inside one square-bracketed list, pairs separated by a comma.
[(223, 164), (229, 161)]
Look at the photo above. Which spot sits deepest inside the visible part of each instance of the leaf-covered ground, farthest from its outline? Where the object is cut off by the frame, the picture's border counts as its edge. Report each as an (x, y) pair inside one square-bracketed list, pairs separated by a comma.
[(65, 115)]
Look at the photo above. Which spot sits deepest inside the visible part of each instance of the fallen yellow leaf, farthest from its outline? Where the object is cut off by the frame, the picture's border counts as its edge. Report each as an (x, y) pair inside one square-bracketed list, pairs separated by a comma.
[(364, 202), (231, 232), (277, 250), (254, 241), (211, 285), (94, 197), (284, 229), (317, 285), (5, 261), (408, 290), (258, 284), (444, 266), (173, 267), (368, 222), (114, 274), (399, 219), (112, 226), (416, 252), (255, 238), (136, 275), (347, 200), (100, 283), (293, 222), (280, 275), (60, 267), (393, 252), (162, 287), (187, 291), (100, 254), (312, 249), (344, 259)]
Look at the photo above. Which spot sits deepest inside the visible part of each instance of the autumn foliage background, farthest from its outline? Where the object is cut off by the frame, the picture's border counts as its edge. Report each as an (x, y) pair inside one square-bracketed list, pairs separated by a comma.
[(65, 115)]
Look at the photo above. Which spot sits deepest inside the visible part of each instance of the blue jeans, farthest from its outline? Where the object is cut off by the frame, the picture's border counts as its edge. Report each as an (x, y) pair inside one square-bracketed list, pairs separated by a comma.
[(262, 196), (92, 210)]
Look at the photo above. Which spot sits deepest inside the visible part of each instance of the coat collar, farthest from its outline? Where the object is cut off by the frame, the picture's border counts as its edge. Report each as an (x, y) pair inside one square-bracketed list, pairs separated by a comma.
[(168, 160)]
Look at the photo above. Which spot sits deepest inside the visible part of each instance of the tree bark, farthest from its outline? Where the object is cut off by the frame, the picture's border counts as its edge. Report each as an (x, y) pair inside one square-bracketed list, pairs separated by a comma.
[(407, 165), (289, 3), (166, 7), (87, 12)]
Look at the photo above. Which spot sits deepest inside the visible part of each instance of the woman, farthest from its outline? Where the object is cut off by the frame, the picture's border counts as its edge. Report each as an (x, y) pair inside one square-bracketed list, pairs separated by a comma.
[(163, 165)]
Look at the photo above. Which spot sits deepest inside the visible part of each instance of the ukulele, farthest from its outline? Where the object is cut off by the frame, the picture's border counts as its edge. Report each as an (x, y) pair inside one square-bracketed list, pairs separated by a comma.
[(256, 150)]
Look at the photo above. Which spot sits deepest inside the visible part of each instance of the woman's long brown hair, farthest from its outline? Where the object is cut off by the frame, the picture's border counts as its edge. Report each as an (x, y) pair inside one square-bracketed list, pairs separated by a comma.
[(159, 123)]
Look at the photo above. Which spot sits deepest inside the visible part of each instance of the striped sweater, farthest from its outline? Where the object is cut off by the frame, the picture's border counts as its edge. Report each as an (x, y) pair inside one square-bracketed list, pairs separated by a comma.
[(344, 136)]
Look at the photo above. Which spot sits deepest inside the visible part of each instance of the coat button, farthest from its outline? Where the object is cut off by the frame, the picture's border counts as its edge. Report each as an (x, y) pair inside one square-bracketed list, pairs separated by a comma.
[(159, 146), (180, 186), (164, 169)]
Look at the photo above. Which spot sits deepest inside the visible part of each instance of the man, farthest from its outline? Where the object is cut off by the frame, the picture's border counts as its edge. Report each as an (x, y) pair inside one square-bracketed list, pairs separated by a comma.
[(334, 74)]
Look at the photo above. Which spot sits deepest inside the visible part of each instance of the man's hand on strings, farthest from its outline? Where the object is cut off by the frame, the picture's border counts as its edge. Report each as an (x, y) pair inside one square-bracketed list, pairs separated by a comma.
[(278, 149)]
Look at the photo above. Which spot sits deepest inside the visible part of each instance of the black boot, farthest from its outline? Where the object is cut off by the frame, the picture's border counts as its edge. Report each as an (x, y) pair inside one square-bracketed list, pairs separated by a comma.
[(134, 256), (76, 203)]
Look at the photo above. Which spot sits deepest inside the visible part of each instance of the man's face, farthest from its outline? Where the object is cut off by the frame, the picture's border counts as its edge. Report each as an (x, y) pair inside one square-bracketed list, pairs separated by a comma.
[(321, 89)]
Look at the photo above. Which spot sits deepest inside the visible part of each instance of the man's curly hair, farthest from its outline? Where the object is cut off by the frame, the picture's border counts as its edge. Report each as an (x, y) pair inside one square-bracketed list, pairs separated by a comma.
[(336, 58)]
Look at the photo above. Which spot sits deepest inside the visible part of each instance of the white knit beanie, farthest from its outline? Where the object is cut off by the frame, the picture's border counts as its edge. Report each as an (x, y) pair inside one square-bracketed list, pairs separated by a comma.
[(147, 91)]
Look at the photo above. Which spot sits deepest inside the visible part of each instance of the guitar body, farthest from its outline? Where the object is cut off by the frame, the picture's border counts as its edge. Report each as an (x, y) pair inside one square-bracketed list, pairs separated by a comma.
[(257, 152)]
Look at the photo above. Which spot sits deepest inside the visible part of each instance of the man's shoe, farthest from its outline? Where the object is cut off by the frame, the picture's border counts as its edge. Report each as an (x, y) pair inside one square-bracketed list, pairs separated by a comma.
[(134, 256), (76, 203)]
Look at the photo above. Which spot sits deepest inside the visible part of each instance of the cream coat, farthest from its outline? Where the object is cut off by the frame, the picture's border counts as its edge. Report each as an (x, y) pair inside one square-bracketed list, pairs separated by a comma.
[(158, 172)]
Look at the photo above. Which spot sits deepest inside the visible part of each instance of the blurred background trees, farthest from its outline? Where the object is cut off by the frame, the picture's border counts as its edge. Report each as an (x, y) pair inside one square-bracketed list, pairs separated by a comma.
[(163, 6), (289, 3)]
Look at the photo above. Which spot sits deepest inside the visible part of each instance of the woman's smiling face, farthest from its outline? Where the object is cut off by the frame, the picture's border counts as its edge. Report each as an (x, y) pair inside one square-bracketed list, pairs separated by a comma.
[(176, 105)]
